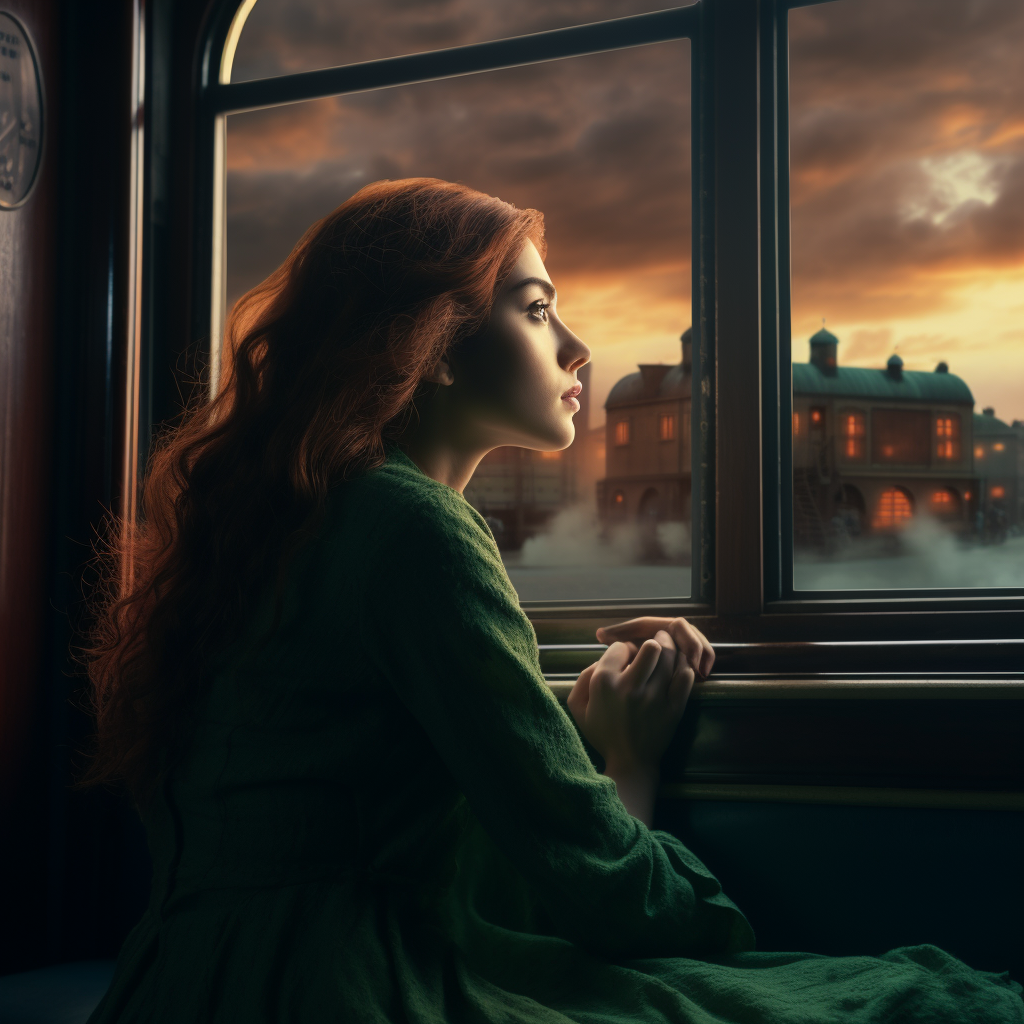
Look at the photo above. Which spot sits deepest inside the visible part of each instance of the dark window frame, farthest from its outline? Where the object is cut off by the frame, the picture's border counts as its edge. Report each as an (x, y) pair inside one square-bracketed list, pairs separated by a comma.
[(742, 412)]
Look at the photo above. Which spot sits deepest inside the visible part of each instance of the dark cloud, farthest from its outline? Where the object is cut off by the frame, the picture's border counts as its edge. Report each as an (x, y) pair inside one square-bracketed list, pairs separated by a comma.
[(907, 148), (282, 37), (599, 143), (907, 124)]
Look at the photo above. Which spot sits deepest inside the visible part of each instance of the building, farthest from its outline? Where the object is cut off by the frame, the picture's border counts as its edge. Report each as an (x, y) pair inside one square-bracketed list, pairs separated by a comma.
[(872, 448), (647, 443), (999, 467)]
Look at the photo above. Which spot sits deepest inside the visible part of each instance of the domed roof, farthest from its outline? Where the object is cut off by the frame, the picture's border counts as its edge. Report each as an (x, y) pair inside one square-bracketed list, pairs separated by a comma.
[(824, 337), (630, 389), (895, 362)]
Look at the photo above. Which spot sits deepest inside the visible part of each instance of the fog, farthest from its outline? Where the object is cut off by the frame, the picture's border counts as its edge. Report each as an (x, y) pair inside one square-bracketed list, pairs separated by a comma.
[(924, 555), (574, 559)]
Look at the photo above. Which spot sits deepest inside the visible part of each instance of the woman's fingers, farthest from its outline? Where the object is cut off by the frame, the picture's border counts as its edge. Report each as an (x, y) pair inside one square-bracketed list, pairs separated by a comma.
[(579, 695), (641, 667), (691, 644), (661, 677)]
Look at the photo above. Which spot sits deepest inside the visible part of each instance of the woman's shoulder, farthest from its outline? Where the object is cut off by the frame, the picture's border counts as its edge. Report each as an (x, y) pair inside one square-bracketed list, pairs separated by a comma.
[(399, 502)]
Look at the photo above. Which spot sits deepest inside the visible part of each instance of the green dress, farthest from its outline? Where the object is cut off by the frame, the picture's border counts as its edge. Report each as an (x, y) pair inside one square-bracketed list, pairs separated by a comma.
[(386, 816)]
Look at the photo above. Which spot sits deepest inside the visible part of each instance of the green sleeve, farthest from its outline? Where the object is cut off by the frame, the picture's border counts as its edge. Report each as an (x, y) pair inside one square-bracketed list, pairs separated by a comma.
[(443, 624)]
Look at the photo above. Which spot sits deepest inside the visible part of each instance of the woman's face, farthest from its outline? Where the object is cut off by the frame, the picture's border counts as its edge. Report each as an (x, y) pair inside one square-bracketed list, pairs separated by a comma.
[(515, 380)]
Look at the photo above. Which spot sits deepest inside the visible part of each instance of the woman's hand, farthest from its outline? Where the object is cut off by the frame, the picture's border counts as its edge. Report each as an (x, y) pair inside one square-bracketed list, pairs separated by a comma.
[(690, 642), (629, 702)]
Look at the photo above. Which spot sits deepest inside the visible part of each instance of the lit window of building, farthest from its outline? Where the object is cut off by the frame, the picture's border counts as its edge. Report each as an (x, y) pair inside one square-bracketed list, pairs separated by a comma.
[(622, 432), (796, 424), (667, 428), (947, 434), (999, 447), (817, 418), (619, 499), (979, 452), (946, 502), (894, 509), (854, 432), (998, 491)]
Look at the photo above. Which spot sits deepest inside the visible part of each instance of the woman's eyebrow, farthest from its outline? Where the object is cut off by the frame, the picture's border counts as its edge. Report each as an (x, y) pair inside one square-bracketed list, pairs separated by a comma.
[(546, 285)]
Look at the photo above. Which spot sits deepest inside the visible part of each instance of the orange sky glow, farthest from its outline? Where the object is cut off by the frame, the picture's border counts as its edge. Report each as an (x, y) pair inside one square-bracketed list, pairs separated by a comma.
[(907, 148)]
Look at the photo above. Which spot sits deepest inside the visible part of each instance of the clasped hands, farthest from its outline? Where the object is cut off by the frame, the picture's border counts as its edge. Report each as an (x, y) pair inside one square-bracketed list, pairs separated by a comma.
[(629, 702)]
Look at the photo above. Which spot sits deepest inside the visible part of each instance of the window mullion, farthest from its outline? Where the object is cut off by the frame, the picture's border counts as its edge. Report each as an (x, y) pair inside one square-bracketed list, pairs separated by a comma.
[(739, 534)]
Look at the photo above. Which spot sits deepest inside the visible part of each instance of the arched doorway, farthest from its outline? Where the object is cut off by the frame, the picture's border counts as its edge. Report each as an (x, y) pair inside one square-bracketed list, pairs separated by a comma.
[(850, 511), (650, 506), (894, 510), (649, 514)]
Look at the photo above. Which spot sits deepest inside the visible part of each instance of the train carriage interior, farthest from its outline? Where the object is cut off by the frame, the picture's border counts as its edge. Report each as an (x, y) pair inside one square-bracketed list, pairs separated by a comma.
[(792, 234)]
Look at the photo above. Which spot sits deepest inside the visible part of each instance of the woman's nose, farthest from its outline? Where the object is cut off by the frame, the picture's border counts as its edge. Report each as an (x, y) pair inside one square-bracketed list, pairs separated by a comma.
[(572, 352)]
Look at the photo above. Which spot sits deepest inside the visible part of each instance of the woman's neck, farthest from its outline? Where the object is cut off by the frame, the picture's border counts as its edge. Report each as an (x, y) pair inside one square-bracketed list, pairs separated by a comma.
[(442, 461)]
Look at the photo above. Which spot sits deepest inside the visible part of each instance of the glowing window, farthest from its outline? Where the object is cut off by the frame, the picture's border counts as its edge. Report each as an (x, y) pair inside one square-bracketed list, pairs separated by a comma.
[(667, 428), (894, 509), (979, 452), (817, 417), (622, 432), (796, 424), (853, 426), (945, 502), (999, 446), (620, 498), (967, 495), (998, 491), (947, 434)]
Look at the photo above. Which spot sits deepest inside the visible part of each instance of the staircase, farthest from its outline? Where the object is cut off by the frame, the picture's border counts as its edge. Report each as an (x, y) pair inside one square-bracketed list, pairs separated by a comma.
[(808, 526)]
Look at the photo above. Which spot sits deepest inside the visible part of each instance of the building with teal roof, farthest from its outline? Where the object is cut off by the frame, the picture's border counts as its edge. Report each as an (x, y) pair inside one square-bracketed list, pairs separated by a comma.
[(875, 447)]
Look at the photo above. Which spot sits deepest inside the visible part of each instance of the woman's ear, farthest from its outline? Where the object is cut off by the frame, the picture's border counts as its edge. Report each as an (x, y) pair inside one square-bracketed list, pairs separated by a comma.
[(441, 374)]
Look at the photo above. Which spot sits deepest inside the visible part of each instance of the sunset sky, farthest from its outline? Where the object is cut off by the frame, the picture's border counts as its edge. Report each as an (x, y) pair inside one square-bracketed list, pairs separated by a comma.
[(907, 147)]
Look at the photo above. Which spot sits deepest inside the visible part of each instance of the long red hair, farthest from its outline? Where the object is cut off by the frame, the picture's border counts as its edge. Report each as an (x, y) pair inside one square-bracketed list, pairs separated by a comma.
[(322, 366)]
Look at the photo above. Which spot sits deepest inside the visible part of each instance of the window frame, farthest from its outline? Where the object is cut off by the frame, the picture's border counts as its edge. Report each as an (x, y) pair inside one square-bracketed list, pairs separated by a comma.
[(743, 593)]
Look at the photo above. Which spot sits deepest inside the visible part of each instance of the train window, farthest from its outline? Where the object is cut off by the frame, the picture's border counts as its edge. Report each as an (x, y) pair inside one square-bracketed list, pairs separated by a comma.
[(904, 176), (899, 160), (600, 143), (282, 37)]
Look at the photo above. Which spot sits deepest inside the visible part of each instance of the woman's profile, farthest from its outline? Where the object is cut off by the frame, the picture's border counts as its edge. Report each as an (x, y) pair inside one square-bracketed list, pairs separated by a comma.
[(362, 801)]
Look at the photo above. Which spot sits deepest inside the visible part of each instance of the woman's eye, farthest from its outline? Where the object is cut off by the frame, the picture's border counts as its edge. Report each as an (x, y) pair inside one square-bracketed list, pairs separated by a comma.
[(540, 309)]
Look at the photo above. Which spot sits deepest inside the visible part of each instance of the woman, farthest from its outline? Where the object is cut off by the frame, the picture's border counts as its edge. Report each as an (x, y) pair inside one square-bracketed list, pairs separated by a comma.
[(363, 803)]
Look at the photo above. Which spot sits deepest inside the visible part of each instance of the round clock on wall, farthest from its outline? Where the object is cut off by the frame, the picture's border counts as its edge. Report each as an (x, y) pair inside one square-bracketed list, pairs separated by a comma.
[(21, 113)]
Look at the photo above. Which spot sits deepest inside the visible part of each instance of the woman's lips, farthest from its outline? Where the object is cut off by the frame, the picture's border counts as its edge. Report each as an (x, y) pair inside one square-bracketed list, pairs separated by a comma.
[(570, 396)]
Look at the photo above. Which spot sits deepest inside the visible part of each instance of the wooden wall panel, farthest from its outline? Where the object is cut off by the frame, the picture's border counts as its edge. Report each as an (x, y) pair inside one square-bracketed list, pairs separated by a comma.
[(28, 257)]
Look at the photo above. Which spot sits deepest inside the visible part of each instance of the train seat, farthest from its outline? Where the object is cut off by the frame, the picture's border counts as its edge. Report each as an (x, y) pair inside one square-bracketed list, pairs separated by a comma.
[(62, 994)]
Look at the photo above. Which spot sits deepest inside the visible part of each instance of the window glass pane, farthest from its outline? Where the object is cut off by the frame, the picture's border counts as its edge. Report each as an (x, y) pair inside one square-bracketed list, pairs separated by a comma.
[(283, 37), (907, 187), (600, 144)]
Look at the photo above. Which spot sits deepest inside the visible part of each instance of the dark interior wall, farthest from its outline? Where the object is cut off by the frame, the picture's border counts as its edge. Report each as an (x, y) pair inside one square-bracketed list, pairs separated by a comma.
[(74, 863), (855, 881), (28, 264)]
